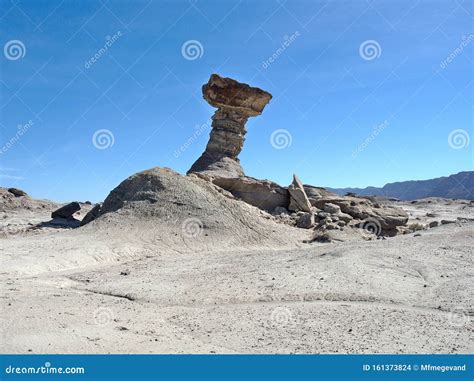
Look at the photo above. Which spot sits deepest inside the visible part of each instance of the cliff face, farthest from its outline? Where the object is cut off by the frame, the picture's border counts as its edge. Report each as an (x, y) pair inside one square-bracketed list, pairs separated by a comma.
[(460, 185)]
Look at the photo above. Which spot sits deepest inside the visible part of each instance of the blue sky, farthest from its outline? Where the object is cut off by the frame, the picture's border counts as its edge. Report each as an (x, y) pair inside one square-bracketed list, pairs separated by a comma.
[(364, 92)]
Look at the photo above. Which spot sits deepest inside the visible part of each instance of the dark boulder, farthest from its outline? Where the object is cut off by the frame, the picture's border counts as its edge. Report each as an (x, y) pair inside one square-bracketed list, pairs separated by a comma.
[(66, 211)]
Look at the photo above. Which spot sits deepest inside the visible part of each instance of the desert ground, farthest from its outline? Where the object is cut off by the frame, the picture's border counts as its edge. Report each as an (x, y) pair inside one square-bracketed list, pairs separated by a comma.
[(135, 280)]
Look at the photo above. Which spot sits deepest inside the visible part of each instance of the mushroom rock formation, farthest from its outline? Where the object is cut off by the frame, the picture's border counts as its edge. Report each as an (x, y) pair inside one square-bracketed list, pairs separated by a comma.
[(235, 103)]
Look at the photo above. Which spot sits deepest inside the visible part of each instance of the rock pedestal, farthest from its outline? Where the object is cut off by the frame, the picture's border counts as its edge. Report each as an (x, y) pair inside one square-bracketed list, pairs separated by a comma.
[(235, 103)]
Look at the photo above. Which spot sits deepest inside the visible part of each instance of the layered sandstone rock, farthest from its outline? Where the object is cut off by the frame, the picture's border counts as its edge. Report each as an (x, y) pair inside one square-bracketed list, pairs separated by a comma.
[(361, 209), (235, 103), (263, 194)]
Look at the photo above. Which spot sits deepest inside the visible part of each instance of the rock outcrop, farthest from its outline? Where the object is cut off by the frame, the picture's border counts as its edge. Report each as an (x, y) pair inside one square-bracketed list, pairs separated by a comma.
[(235, 103), (360, 209), (67, 211)]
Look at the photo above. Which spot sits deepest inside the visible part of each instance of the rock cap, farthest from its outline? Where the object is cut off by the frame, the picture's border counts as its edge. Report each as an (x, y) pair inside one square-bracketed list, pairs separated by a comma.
[(229, 94)]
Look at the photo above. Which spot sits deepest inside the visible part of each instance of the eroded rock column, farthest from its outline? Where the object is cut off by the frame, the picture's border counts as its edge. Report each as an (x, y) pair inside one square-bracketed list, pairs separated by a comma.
[(235, 103)]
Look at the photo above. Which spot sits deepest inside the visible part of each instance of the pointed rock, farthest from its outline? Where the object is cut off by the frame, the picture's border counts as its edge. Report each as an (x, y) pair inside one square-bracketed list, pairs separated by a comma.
[(298, 198)]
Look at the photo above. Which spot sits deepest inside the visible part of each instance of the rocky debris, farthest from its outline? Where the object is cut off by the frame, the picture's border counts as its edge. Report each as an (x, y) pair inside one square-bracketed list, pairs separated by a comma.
[(235, 103), (360, 209), (92, 214), (263, 194), (332, 208), (17, 192), (298, 198), (433, 224), (446, 222), (345, 217), (305, 221), (464, 219), (331, 226), (67, 211)]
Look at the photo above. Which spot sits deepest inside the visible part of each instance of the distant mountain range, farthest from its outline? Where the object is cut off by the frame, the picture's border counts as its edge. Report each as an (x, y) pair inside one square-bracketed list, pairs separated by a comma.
[(460, 185)]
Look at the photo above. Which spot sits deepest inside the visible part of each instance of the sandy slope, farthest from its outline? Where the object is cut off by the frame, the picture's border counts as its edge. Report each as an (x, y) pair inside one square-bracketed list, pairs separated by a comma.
[(125, 289)]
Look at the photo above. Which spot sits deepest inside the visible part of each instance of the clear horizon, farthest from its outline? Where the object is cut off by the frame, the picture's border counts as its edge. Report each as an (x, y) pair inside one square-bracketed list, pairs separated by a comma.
[(364, 93)]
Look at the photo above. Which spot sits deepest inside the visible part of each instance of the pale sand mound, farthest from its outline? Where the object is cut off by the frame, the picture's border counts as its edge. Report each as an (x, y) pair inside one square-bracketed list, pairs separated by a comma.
[(189, 213)]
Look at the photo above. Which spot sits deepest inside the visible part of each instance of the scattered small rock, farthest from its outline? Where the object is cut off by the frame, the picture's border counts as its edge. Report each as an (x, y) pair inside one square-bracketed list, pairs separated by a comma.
[(445, 222), (332, 208), (305, 221)]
